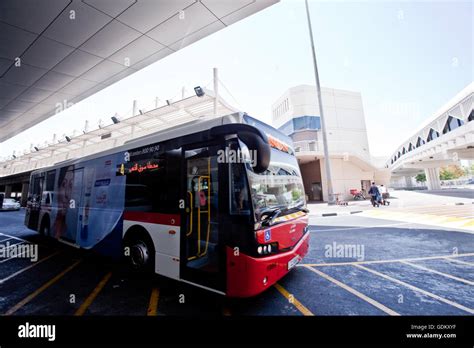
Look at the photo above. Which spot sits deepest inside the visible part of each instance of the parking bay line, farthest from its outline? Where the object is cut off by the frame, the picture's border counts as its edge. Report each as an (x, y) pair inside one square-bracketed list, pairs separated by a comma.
[(460, 261), (41, 289), (26, 268), (21, 239), (465, 281), (13, 245), (293, 300), (88, 301), (153, 304), (353, 291), (414, 288), (7, 235), (382, 261), (13, 257)]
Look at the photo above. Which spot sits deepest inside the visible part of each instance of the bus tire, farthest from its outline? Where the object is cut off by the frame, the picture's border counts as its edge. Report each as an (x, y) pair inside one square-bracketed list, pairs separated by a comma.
[(141, 251), (45, 226)]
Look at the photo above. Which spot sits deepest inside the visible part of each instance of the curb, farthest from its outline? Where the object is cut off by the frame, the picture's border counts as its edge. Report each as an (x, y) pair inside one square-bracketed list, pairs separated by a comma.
[(458, 203), (336, 214)]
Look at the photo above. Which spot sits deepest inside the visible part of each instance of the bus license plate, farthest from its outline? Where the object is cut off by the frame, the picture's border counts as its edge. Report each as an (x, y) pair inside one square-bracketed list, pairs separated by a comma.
[(293, 262)]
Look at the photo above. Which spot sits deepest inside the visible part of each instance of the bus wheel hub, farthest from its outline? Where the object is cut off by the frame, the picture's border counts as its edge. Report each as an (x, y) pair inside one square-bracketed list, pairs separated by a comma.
[(139, 254)]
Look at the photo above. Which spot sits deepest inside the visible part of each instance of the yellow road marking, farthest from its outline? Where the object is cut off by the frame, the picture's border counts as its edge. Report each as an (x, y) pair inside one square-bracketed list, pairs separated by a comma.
[(26, 268), (41, 289), (468, 282), (355, 292), (88, 301), (382, 261), (445, 220), (153, 304), (293, 300), (414, 288), (469, 223)]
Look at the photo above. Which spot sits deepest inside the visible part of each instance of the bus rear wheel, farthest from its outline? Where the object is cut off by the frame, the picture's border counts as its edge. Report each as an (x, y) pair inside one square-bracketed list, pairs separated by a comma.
[(44, 227), (140, 253)]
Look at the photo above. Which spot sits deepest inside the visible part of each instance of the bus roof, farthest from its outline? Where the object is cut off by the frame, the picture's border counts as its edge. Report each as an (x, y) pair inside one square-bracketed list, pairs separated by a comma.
[(195, 126)]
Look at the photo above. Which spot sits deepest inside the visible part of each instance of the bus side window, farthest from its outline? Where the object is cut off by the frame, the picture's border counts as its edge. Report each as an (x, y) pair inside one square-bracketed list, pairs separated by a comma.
[(154, 189), (50, 176), (239, 195)]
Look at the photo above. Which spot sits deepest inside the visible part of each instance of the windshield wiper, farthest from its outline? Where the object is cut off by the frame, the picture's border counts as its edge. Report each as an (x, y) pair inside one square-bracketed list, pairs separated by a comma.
[(267, 216)]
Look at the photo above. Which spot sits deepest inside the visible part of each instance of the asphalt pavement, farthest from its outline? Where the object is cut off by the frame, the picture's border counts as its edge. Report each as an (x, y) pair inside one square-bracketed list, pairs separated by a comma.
[(356, 265)]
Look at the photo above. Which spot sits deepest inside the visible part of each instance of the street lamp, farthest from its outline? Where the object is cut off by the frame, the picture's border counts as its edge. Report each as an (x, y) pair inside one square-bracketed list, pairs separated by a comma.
[(199, 91), (327, 166)]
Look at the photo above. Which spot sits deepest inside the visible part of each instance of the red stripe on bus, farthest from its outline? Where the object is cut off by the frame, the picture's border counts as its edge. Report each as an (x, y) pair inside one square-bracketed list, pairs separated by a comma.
[(153, 218)]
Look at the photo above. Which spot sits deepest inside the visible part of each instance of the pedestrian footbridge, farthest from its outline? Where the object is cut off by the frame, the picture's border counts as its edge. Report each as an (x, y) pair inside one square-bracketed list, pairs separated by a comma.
[(446, 138)]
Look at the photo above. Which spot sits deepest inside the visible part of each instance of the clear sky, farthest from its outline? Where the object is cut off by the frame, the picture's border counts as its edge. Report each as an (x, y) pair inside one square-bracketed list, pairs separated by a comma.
[(406, 58)]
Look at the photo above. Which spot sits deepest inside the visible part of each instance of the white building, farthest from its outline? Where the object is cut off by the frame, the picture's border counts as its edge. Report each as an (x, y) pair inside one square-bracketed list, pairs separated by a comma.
[(296, 113)]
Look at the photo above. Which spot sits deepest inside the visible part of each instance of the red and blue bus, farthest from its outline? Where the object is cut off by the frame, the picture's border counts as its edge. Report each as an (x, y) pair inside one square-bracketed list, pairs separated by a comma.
[(218, 203)]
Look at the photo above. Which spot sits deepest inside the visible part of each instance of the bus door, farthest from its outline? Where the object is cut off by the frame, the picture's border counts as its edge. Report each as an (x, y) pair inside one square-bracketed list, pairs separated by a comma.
[(34, 202), (202, 257)]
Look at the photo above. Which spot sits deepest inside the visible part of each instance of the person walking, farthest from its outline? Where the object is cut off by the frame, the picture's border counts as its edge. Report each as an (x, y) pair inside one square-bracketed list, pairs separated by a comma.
[(384, 193), (374, 195)]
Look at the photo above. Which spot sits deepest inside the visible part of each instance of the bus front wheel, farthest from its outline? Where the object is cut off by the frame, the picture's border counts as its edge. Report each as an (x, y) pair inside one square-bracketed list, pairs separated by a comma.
[(140, 252)]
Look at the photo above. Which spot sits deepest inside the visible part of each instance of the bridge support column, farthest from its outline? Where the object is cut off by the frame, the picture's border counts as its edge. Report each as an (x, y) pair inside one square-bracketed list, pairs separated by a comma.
[(8, 191), (24, 194), (432, 178)]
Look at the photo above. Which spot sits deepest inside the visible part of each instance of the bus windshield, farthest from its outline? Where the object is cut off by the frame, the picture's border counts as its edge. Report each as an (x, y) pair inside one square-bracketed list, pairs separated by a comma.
[(279, 187)]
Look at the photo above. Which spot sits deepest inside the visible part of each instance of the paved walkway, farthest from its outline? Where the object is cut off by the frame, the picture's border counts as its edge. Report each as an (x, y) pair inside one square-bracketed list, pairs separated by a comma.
[(398, 199)]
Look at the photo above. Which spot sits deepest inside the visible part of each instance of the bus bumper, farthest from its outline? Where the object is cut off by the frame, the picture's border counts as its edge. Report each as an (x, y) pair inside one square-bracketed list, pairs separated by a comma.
[(248, 276)]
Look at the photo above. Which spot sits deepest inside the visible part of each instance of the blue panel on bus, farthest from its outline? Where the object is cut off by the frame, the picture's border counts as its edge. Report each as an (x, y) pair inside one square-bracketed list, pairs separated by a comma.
[(89, 201)]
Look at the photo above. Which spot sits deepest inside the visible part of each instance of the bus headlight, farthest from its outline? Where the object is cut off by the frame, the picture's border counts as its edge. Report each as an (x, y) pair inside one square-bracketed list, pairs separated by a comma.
[(265, 249)]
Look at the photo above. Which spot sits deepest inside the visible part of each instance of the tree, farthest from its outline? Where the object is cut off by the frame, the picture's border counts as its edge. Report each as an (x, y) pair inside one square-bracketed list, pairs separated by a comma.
[(451, 172), (420, 177), (469, 170)]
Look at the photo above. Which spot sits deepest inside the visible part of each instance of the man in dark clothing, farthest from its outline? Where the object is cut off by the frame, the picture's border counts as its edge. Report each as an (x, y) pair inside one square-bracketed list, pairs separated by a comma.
[(374, 194)]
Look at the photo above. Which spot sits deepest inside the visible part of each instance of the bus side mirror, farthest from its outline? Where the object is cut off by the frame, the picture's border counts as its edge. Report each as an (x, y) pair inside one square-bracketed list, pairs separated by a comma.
[(260, 147), (255, 140)]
